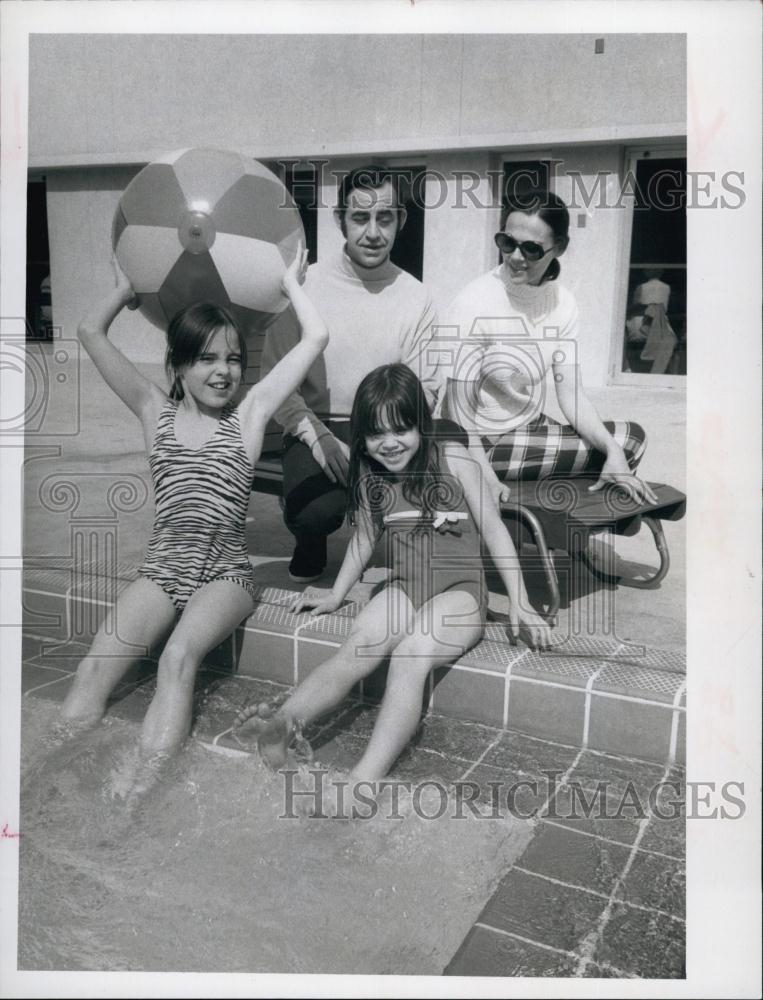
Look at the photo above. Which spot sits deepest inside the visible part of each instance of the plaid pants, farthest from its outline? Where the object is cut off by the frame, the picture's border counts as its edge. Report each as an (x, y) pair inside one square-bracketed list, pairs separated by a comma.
[(546, 448)]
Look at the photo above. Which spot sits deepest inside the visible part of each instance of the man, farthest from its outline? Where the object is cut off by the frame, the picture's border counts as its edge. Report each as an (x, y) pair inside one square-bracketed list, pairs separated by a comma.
[(376, 314)]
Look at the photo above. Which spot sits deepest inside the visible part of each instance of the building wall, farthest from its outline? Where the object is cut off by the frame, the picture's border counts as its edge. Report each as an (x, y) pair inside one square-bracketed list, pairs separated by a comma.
[(81, 205), (102, 105), (124, 98), (458, 242)]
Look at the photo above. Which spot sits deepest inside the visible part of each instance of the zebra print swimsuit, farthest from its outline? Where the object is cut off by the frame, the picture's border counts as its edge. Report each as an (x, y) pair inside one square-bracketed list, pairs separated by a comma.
[(201, 498)]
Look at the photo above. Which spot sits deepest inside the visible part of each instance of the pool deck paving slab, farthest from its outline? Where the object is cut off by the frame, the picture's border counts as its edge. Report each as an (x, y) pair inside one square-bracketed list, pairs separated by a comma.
[(599, 901)]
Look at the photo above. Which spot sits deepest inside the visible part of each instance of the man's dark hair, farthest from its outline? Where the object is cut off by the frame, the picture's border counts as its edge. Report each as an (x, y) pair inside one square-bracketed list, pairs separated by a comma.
[(370, 178)]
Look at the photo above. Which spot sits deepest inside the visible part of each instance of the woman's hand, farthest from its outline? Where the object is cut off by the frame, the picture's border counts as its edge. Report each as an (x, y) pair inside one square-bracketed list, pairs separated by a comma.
[(538, 629), (615, 470), (294, 275), (322, 604), (125, 289), (498, 491)]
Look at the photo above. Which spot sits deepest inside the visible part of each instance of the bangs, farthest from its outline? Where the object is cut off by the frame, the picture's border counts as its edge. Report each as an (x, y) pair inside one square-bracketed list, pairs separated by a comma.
[(395, 415), (232, 337), (191, 330)]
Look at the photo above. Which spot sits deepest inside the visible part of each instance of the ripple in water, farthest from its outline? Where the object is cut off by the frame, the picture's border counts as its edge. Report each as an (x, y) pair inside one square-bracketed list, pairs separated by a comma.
[(206, 875)]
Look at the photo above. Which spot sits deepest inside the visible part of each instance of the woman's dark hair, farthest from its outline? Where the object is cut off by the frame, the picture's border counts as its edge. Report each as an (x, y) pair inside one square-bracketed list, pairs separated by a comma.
[(550, 209), (391, 396), (189, 333)]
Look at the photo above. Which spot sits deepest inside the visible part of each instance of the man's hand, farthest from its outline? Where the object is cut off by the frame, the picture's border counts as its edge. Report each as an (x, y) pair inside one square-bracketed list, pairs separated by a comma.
[(333, 456)]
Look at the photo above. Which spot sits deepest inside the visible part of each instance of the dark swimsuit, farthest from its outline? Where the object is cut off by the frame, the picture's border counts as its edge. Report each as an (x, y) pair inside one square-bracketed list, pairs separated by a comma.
[(427, 561)]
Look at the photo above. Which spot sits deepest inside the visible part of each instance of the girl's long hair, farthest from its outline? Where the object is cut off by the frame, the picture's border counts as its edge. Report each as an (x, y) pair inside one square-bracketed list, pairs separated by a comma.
[(187, 337), (391, 396)]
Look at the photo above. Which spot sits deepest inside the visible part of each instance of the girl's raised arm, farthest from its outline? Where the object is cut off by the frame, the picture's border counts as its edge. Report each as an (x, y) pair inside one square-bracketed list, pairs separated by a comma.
[(499, 544), (288, 375), (135, 391)]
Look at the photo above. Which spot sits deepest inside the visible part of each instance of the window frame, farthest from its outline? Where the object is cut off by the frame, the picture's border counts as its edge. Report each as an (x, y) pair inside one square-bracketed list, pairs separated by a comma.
[(631, 156), (299, 167), (423, 165), (519, 156)]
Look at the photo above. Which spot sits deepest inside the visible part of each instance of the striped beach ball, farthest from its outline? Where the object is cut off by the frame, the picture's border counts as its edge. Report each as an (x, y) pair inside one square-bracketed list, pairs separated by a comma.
[(207, 225)]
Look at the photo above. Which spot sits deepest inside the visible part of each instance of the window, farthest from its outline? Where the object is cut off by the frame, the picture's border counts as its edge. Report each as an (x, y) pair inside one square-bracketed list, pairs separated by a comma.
[(301, 181), (408, 250), (39, 314), (654, 335)]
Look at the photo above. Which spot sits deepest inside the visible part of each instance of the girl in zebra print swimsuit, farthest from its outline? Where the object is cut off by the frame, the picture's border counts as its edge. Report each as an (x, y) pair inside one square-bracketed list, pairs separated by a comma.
[(195, 585)]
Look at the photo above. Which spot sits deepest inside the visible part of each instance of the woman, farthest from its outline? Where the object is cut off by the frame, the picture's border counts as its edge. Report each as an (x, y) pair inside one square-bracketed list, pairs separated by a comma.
[(515, 323)]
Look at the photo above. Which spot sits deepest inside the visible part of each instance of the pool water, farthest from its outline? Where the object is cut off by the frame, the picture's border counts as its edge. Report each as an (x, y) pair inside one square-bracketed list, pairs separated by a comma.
[(207, 875)]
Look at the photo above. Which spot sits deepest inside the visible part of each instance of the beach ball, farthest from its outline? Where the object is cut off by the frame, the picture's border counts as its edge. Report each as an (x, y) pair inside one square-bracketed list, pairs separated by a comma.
[(207, 225)]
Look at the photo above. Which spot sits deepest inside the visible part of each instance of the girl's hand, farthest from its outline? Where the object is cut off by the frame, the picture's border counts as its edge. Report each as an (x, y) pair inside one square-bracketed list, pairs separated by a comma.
[(294, 276), (124, 287), (537, 628), (615, 470), (321, 605)]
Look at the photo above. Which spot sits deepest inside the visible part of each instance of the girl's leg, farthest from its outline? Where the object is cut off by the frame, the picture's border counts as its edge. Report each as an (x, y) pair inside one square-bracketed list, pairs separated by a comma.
[(546, 448), (444, 629), (210, 616), (142, 616), (376, 631)]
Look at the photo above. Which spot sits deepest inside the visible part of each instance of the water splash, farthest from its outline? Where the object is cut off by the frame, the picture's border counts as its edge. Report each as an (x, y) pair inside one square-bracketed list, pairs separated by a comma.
[(209, 874)]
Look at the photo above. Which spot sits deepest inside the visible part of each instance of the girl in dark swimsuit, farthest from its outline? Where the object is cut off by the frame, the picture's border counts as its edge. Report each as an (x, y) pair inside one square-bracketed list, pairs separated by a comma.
[(428, 499)]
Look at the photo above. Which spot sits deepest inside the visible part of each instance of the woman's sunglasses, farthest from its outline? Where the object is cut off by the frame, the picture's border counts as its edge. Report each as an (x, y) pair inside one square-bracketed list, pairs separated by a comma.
[(528, 249)]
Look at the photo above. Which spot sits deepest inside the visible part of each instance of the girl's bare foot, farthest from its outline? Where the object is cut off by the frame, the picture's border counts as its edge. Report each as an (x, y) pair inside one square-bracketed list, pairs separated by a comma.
[(82, 706), (273, 740), (272, 730), (68, 729), (250, 720)]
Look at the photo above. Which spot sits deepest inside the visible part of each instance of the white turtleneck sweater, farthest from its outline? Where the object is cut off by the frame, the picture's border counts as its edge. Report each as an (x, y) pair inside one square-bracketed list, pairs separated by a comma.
[(374, 317), (509, 335)]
